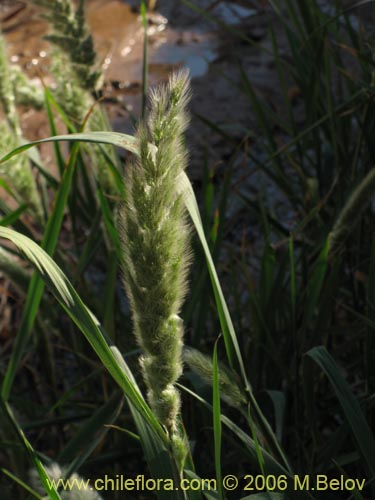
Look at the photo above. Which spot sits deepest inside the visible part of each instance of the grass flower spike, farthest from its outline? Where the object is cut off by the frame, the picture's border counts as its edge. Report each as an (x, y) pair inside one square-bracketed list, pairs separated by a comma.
[(75, 71), (156, 249), (17, 171), (71, 34), (230, 391), (352, 211)]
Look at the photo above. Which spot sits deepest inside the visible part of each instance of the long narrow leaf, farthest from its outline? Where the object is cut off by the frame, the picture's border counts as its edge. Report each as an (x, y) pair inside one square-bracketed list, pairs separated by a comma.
[(52, 493), (115, 138), (36, 287), (21, 483), (351, 407), (271, 466), (68, 298), (231, 344)]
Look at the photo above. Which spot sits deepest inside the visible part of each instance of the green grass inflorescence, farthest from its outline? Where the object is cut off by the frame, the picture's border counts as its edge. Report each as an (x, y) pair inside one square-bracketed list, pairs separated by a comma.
[(156, 249)]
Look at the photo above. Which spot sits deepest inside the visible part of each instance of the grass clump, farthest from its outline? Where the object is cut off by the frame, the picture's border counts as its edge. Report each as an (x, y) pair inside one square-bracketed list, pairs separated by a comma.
[(156, 250)]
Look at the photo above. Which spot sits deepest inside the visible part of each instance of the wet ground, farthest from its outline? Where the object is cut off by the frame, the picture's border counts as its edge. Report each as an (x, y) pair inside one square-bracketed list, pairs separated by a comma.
[(178, 36)]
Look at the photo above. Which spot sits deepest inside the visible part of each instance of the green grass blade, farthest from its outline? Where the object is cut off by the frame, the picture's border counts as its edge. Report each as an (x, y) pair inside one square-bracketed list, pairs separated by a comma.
[(156, 453), (36, 287), (271, 466), (11, 218), (35, 291), (34, 157), (158, 458), (21, 483), (362, 433), (89, 250), (116, 172), (230, 338), (51, 102), (56, 146), (115, 138), (258, 448), (229, 334), (86, 322), (52, 493)]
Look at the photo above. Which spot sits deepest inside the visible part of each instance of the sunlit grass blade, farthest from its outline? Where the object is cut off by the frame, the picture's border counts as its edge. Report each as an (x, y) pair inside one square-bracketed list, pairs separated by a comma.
[(51, 102), (85, 321), (228, 331), (229, 335), (51, 234), (115, 138)]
